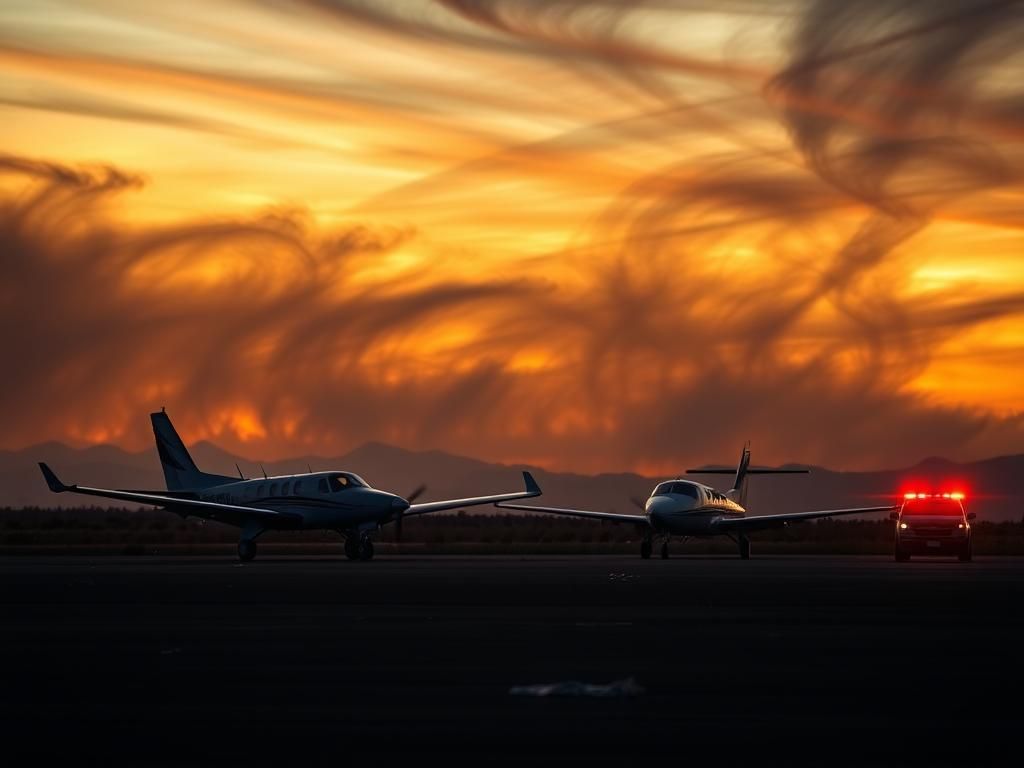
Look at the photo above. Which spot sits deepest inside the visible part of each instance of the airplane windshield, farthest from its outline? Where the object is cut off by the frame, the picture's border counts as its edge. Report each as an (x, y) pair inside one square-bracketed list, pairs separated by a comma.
[(683, 489), (343, 481)]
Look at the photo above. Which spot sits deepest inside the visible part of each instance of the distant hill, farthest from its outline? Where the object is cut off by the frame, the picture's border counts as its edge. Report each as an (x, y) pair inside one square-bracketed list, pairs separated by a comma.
[(994, 486)]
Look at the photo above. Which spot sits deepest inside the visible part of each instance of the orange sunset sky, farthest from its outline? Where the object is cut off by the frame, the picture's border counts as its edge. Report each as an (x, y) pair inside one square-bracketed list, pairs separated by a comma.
[(593, 236)]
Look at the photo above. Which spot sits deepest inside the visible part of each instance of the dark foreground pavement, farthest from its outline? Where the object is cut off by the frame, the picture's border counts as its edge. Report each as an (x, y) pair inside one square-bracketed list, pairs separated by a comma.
[(812, 660)]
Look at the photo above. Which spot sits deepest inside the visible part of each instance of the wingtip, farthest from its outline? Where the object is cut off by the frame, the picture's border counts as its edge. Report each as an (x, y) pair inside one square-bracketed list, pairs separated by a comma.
[(531, 484), (51, 478)]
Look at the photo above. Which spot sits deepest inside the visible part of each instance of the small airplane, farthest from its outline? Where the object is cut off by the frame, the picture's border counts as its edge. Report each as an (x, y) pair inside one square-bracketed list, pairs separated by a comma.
[(687, 509), (339, 501)]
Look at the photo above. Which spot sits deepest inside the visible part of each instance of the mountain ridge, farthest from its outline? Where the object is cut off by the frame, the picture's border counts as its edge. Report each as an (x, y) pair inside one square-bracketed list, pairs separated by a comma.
[(992, 484)]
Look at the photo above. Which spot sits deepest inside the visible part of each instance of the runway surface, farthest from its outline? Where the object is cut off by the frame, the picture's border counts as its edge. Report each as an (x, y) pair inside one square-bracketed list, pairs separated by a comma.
[(819, 660)]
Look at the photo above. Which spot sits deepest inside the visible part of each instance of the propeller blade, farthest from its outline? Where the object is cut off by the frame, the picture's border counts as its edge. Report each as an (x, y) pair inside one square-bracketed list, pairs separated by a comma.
[(417, 492), (637, 503)]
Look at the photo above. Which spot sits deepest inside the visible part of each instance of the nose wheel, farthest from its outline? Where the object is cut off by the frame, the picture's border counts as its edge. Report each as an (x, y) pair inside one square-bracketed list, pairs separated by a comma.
[(246, 550), (358, 547)]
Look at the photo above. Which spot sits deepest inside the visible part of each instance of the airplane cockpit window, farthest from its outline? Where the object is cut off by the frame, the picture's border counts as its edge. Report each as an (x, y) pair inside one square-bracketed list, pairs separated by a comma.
[(339, 483), (663, 489), (356, 480), (322, 485), (685, 489)]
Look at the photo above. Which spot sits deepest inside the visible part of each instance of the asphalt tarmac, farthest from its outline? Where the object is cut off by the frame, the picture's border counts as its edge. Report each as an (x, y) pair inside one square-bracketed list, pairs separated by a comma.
[(294, 661)]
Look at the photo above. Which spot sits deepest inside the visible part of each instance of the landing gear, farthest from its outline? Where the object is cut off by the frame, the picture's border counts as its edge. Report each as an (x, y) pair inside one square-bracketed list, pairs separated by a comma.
[(365, 548), (744, 545), (352, 548), (246, 550), (664, 549), (645, 549)]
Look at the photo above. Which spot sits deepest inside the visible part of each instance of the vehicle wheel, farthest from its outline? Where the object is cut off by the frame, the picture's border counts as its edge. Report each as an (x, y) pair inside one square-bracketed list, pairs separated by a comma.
[(744, 543), (965, 553), (664, 550), (246, 550), (645, 549), (366, 550), (352, 548)]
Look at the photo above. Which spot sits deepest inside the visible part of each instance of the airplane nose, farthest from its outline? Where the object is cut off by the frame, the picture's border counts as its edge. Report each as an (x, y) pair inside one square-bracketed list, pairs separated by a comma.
[(400, 504)]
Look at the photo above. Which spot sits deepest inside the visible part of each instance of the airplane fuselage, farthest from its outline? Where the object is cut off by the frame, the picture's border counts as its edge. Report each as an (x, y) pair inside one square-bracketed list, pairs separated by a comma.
[(686, 508), (333, 500)]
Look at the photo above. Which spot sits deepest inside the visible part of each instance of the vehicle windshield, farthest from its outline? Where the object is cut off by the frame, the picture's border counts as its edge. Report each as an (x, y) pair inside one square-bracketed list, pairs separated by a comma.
[(343, 481), (932, 508)]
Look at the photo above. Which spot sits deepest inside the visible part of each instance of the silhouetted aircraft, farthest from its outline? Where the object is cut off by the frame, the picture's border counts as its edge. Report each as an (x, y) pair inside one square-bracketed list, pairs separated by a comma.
[(687, 509), (338, 501)]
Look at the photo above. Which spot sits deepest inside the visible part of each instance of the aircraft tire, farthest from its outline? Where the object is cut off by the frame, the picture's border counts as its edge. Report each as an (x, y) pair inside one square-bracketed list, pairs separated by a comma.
[(352, 548), (645, 549), (246, 550), (366, 550)]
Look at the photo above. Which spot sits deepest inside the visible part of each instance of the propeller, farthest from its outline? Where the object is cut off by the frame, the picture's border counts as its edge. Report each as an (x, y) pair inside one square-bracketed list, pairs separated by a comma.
[(417, 492), (638, 504)]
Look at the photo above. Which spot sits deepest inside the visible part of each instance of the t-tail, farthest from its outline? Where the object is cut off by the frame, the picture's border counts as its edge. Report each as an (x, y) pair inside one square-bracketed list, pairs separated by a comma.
[(180, 472), (742, 473)]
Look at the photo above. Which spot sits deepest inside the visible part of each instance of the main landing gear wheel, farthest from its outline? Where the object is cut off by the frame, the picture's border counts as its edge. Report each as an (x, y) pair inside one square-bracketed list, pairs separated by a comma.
[(664, 550), (645, 549), (352, 548), (744, 543), (246, 550), (366, 550)]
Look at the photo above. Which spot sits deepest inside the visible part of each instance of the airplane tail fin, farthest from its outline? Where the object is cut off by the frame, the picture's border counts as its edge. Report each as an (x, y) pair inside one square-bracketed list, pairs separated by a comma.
[(738, 492), (180, 471)]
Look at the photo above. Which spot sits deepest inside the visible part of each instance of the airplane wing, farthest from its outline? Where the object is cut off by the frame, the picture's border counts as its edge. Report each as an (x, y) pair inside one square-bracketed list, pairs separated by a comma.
[(760, 522), (610, 516), (532, 489), (228, 513)]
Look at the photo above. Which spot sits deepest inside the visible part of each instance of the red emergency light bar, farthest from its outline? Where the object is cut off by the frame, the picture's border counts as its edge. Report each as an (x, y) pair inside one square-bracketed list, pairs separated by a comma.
[(955, 495)]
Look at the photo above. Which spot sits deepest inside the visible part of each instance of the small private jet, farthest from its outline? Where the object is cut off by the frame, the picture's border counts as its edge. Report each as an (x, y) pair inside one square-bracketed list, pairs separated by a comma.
[(338, 501), (687, 509)]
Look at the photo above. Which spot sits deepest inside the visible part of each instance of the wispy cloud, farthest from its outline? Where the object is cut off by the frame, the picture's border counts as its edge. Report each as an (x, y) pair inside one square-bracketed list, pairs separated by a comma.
[(591, 235)]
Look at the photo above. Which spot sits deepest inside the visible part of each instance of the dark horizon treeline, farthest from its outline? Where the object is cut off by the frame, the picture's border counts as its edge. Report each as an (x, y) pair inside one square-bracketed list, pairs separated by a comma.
[(102, 530)]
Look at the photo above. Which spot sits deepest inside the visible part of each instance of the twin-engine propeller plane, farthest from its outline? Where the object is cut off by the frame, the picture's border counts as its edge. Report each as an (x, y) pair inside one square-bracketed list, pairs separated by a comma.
[(339, 501), (686, 509)]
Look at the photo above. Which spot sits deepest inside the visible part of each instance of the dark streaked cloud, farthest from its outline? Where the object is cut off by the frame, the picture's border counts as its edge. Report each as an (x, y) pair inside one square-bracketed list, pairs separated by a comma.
[(749, 266)]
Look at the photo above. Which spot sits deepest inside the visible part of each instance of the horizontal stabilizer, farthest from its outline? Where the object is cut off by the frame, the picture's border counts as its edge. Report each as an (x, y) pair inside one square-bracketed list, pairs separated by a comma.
[(732, 471)]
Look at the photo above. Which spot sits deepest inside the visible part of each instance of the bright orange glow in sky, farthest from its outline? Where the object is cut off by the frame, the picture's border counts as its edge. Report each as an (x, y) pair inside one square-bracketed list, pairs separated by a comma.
[(593, 236)]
